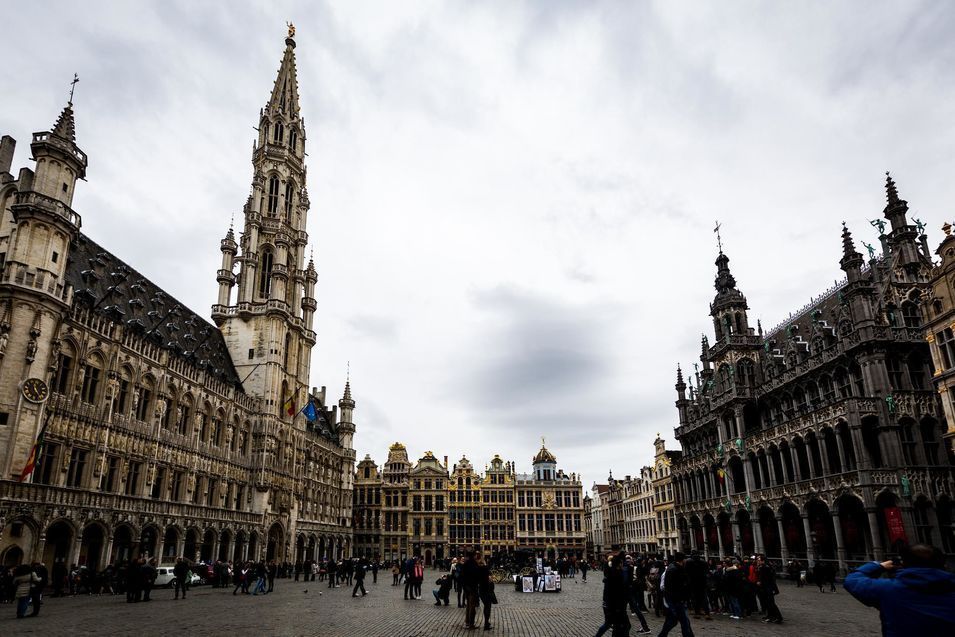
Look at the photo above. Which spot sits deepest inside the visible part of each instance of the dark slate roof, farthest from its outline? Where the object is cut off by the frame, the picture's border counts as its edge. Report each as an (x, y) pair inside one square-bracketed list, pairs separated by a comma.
[(114, 290), (324, 423)]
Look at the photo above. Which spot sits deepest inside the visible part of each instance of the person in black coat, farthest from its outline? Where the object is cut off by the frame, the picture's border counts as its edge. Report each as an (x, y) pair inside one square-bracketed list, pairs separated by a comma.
[(443, 591), (359, 579), (36, 590), (148, 575), (181, 576), (676, 591), (767, 590), (616, 594)]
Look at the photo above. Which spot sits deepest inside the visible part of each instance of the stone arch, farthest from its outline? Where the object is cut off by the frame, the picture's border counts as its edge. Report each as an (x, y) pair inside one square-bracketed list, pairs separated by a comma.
[(734, 466), (207, 549), (225, 545), (149, 541), (253, 546), (93, 546), (794, 534), (747, 540), (170, 543), (856, 535), (822, 534), (123, 543), (889, 517), (60, 535), (192, 544), (275, 546), (769, 529), (241, 542), (21, 532)]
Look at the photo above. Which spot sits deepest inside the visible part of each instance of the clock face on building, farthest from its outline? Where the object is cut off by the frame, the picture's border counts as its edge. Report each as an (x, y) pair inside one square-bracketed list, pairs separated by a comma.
[(35, 390)]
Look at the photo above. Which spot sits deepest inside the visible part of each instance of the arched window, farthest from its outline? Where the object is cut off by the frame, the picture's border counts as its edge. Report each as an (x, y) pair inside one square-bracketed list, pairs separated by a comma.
[(91, 377), (911, 314), (293, 140), (285, 352), (279, 133), (265, 274), (289, 198), (273, 204)]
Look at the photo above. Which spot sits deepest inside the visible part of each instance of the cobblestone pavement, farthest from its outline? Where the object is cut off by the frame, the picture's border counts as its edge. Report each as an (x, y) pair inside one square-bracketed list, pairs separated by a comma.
[(575, 612)]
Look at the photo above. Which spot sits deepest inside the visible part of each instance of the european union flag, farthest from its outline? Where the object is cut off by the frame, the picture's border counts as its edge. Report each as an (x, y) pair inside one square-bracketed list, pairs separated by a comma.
[(309, 410)]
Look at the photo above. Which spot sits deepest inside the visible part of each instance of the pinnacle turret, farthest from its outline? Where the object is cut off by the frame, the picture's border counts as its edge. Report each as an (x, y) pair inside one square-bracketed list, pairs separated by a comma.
[(65, 126), (891, 192)]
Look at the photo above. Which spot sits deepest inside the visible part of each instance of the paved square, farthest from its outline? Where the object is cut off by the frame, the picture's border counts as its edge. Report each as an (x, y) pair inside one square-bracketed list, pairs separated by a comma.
[(575, 612)]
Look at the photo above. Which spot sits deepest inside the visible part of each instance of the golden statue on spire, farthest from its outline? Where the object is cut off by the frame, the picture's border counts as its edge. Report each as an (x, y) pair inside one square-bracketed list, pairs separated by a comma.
[(291, 29)]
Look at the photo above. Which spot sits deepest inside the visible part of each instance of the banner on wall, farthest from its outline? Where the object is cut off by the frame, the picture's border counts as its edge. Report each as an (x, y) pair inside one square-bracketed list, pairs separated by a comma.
[(893, 520)]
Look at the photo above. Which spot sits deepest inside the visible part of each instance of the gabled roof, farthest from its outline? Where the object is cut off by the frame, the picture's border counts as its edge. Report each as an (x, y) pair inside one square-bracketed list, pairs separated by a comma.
[(110, 288)]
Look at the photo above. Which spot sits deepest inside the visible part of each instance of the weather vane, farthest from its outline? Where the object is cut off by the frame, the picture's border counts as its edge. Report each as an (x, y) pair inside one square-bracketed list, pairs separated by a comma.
[(719, 239), (76, 78)]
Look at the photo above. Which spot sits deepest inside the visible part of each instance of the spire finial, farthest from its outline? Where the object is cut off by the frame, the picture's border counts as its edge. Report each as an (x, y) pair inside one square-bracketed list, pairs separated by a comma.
[(76, 78), (848, 246), (891, 193), (291, 29), (719, 239)]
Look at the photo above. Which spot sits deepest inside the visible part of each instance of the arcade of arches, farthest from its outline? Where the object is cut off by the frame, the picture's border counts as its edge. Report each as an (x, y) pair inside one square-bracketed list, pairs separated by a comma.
[(96, 543)]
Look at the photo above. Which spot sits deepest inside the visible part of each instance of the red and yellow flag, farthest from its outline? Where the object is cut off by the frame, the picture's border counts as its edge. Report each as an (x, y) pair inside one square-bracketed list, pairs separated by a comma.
[(290, 405), (34, 458)]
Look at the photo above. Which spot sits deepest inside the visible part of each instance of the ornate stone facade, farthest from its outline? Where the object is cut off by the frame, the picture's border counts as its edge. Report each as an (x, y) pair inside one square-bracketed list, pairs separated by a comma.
[(821, 438), (163, 435), (428, 511)]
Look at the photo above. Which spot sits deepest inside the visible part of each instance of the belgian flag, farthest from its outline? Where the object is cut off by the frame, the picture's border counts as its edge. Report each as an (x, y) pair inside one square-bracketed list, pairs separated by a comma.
[(34, 460)]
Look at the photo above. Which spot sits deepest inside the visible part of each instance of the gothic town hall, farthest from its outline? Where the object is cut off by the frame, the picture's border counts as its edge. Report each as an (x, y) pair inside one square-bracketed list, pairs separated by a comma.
[(164, 434)]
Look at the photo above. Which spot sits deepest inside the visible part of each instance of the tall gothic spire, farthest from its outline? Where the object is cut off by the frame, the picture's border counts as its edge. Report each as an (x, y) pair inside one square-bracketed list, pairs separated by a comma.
[(284, 97)]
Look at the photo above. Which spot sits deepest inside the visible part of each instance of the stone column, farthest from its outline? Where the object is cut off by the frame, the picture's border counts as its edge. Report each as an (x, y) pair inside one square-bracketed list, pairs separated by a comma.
[(692, 538), (877, 552), (757, 526), (73, 556), (160, 548), (797, 472), (40, 548), (108, 555), (762, 472), (737, 543), (719, 539), (824, 455), (810, 548), (843, 460), (783, 549), (180, 544), (748, 474), (840, 547)]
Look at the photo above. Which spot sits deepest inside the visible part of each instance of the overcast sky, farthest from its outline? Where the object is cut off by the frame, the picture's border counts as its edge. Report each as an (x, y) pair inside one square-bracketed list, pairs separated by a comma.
[(512, 202)]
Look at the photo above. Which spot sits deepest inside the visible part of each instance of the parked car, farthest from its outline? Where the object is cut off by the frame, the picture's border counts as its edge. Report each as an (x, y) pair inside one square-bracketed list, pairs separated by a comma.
[(166, 577)]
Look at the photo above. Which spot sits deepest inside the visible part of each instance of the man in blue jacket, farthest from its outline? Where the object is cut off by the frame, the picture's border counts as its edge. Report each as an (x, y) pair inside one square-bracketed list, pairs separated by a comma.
[(919, 600)]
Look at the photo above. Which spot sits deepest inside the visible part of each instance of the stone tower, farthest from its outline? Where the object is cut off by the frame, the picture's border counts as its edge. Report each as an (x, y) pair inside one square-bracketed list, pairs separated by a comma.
[(268, 321), (38, 225)]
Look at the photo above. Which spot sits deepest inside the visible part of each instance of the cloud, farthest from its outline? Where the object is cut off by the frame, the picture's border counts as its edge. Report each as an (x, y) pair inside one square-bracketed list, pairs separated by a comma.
[(512, 203)]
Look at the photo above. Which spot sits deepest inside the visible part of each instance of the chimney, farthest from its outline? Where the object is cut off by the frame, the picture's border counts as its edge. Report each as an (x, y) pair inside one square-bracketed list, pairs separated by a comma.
[(7, 146)]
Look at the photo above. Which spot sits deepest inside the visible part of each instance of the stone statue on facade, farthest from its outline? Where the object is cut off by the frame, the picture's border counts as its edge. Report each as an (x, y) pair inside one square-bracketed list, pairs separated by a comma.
[(890, 402), (870, 249), (880, 224)]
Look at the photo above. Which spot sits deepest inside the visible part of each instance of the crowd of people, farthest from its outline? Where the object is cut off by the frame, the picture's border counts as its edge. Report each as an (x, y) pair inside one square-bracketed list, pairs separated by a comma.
[(672, 588), (914, 593)]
